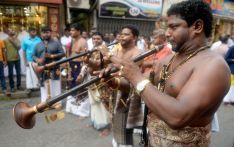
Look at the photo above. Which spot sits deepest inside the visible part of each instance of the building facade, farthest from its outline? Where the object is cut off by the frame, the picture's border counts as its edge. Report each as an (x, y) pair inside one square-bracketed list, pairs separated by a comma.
[(22, 14)]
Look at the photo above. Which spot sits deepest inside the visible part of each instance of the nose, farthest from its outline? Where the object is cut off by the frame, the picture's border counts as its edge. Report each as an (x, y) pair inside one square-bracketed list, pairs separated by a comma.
[(168, 33)]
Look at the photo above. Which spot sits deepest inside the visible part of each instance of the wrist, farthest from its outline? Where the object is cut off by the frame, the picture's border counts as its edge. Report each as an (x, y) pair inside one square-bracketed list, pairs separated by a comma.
[(140, 86)]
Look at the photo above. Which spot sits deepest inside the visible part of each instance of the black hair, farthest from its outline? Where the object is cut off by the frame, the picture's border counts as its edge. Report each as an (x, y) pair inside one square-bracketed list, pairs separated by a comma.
[(134, 30), (67, 29), (192, 10), (99, 34), (31, 29), (45, 29), (115, 33), (77, 26), (223, 38)]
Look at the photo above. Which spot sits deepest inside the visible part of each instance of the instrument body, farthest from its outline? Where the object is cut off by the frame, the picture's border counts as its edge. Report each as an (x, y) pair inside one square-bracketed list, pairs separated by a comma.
[(22, 110)]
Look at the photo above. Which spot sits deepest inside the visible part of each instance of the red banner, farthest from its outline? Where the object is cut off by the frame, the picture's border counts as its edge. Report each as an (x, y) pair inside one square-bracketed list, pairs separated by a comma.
[(39, 1)]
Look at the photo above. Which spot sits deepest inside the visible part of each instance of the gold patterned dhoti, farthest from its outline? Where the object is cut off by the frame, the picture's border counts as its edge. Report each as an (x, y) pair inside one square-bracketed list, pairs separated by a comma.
[(161, 135)]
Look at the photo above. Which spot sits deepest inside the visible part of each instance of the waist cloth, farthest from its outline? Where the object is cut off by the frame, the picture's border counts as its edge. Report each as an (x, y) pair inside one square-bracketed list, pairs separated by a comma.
[(161, 135)]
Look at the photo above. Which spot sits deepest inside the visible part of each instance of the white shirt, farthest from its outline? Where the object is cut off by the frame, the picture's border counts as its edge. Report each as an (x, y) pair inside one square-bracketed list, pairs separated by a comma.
[(65, 40), (90, 44)]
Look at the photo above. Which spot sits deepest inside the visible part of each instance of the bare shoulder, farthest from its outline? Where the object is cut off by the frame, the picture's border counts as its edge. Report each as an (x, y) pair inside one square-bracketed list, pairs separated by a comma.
[(212, 72), (212, 62)]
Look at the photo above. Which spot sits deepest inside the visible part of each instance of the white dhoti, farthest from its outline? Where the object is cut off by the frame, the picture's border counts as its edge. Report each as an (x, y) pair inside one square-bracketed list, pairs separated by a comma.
[(100, 117), (78, 108), (229, 98), (51, 89), (215, 123), (31, 78)]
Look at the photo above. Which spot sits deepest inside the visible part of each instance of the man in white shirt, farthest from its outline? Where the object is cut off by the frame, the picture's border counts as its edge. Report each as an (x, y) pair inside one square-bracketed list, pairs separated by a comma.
[(66, 38)]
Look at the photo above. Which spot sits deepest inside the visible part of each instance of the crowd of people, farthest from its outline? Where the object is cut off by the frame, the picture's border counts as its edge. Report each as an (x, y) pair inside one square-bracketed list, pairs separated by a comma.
[(172, 94)]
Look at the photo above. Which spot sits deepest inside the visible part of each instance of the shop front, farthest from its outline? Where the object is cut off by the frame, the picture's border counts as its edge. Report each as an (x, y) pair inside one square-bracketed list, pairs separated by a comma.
[(223, 12), (22, 14), (114, 14)]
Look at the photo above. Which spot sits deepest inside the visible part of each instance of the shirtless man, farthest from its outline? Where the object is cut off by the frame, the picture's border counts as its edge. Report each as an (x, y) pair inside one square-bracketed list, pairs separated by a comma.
[(127, 109), (192, 83), (78, 45)]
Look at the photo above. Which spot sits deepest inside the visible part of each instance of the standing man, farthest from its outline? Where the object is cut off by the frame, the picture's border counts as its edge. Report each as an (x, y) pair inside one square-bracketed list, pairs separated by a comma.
[(77, 46), (159, 38), (12, 45), (28, 46), (188, 92), (66, 38), (100, 117), (127, 108), (46, 52)]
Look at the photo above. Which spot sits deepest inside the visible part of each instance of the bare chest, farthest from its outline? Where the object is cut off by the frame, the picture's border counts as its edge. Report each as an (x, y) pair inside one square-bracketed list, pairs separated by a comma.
[(175, 81), (76, 47)]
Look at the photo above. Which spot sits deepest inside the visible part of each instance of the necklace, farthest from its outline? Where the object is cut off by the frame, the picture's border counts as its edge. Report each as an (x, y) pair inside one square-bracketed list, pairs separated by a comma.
[(165, 75)]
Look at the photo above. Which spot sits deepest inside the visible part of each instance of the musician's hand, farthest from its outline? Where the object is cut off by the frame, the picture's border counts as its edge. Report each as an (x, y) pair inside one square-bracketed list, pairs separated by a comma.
[(40, 60), (129, 70), (79, 79), (103, 49), (50, 56), (103, 72)]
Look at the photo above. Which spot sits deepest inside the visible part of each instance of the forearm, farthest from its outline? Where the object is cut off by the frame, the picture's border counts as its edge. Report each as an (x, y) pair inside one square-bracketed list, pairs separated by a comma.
[(147, 64), (59, 55)]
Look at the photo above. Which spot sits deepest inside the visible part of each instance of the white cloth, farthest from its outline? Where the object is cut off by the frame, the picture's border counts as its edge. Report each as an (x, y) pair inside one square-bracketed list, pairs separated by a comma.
[(229, 98), (31, 78), (3, 36), (81, 109), (215, 45), (215, 124), (90, 44), (65, 41), (22, 64), (54, 90), (99, 115), (114, 144), (22, 35)]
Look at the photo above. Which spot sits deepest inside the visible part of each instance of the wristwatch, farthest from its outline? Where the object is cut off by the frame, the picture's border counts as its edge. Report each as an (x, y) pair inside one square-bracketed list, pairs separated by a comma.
[(141, 86)]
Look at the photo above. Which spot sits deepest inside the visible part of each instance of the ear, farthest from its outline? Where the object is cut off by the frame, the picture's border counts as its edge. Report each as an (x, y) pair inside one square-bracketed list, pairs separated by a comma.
[(198, 26)]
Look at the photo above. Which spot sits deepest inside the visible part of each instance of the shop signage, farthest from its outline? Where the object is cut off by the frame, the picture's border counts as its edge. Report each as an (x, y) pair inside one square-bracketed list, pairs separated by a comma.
[(39, 1), (222, 7), (131, 9)]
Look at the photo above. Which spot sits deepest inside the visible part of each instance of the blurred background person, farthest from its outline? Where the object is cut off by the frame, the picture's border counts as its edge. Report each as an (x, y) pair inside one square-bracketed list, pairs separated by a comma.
[(12, 45), (28, 46)]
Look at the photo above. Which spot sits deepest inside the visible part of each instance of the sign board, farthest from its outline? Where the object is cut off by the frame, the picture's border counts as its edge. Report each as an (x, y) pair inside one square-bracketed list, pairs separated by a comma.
[(222, 7), (131, 9), (38, 1)]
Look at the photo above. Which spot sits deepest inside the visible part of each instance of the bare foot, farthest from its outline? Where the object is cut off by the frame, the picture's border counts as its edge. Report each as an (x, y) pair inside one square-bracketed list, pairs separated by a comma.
[(104, 133)]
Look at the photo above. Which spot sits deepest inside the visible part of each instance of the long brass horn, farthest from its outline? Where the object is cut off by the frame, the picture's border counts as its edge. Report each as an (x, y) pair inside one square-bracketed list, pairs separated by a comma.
[(39, 69), (24, 115)]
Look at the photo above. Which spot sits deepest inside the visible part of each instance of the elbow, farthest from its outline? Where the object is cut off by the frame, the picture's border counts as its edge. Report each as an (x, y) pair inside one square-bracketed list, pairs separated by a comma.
[(176, 123)]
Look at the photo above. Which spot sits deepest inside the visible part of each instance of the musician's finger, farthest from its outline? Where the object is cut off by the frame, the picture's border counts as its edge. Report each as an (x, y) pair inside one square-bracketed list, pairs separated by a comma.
[(96, 72)]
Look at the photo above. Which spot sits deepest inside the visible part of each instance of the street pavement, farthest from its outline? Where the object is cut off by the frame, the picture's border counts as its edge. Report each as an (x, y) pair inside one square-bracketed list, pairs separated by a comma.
[(73, 132)]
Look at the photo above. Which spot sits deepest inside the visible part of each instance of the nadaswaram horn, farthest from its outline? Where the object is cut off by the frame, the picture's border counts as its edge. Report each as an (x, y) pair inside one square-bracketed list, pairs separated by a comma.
[(24, 115), (41, 68)]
